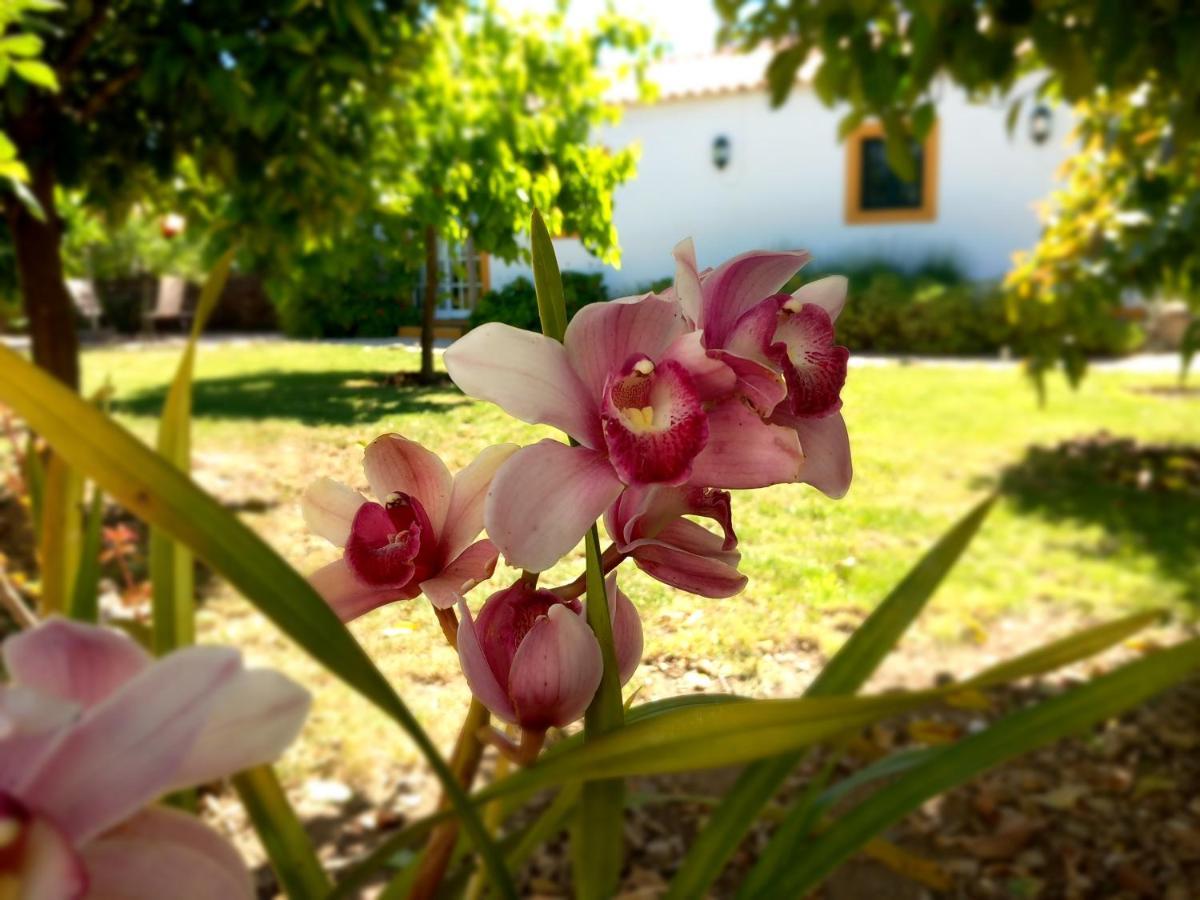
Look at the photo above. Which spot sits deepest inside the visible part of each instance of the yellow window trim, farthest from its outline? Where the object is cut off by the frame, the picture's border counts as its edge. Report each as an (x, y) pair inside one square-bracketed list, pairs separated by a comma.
[(926, 212)]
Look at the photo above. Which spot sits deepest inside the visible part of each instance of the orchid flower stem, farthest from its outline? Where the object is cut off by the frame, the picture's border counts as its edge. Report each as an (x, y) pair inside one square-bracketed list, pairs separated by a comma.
[(464, 763), (449, 622), (609, 560), (523, 753), (12, 602)]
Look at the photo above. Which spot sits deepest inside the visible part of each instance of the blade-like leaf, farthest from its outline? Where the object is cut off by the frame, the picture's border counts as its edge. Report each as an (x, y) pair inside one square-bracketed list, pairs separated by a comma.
[(154, 490), (60, 535), (171, 562), (1026, 730), (85, 605), (850, 667), (287, 845), (547, 281)]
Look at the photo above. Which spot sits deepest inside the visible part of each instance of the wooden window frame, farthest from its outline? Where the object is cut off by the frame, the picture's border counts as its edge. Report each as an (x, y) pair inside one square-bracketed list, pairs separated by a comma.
[(856, 215)]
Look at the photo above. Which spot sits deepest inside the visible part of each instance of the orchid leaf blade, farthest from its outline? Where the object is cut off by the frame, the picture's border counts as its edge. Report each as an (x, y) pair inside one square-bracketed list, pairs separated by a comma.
[(288, 847), (547, 280)]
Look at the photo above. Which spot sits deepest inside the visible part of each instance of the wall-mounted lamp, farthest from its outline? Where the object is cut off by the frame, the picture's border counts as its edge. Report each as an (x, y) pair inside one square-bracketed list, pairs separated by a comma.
[(721, 151), (1041, 124)]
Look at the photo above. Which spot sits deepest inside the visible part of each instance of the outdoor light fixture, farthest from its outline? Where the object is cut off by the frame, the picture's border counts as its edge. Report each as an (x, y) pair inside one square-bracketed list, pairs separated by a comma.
[(1041, 123), (720, 151)]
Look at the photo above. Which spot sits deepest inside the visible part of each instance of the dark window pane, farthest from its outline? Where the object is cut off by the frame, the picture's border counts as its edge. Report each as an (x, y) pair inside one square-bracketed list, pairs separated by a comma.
[(881, 187)]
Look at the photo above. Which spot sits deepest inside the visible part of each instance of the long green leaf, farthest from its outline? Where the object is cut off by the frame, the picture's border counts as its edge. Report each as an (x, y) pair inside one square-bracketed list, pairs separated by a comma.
[(293, 859), (547, 281), (154, 490), (1018, 733), (849, 669), (85, 600), (171, 562), (60, 535)]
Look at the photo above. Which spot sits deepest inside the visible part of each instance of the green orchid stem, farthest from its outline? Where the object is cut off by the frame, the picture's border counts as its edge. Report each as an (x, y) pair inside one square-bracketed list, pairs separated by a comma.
[(609, 560), (598, 842)]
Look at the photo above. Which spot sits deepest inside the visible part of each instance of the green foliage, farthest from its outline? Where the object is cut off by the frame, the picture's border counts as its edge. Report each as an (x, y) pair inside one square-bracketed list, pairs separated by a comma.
[(516, 303), (20, 52), (97, 247)]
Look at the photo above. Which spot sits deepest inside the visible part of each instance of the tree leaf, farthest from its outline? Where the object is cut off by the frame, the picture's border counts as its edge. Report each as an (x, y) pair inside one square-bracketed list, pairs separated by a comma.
[(1018, 733), (21, 45), (36, 72), (156, 491)]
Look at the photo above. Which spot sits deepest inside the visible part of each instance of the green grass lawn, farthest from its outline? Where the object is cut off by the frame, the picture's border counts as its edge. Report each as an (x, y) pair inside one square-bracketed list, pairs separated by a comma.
[(1069, 535)]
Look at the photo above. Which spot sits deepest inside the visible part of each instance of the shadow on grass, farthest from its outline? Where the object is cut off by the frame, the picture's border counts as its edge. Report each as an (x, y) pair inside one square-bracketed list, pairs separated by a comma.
[(311, 398), (1143, 495)]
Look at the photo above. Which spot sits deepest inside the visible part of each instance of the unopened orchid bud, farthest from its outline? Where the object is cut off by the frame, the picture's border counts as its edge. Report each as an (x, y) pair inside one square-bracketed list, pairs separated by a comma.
[(530, 657)]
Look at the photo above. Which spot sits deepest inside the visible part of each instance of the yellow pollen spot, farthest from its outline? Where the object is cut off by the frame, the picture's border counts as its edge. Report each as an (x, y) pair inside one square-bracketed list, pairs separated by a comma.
[(793, 304), (643, 367), (10, 830), (640, 420)]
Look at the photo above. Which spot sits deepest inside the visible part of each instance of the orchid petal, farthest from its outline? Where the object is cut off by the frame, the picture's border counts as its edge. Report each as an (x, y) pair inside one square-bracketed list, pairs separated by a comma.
[(479, 675), (712, 378), (626, 629), (687, 280), (29, 724), (738, 284), (829, 293), (165, 853), (255, 715), (328, 508), (745, 452), (346, 595), (813, 366), (469, 568), (555, 671), (688, 556), (464, 520), (602, 337), (826, 447), (395, 464), (125, 751), (527, 375), (73, 661), (49, 868), (544, 498)]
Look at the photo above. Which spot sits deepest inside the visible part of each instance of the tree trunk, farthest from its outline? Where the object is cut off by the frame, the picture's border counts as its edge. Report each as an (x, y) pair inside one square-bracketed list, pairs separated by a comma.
[(47, 302), (429, 304)]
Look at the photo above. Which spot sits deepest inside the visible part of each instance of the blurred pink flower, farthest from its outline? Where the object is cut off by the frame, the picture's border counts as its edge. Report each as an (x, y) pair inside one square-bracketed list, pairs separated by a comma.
[(650, 526), (633, 386), (419, 539), (531, 658), (93, 731), (781, 346)]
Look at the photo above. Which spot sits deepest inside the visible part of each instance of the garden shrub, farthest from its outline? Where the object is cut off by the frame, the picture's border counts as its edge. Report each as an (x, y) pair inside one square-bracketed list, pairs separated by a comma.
[(516, 303)]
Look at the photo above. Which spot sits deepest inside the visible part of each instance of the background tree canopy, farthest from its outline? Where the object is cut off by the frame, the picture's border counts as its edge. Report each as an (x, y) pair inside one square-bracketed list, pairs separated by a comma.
[(1129, 215)]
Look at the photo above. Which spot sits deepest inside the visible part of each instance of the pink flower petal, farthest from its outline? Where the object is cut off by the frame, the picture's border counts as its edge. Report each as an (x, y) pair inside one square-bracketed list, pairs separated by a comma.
[(826, 446), (813, 367), (125, 751), (829, 293), (688, 556), (555, 671), (464, 521), (395, 464), (328, 508), (385, 544), (48, 867), (626, 627), (478, 673), (528, 376), (543, 499), (162, 853), (687, 280), (349, 597), (745, 452), (654, 423), (469, 568), (603, 336), (29, 724), (255, 715), (712, 378), (73, 661), (740, 283)]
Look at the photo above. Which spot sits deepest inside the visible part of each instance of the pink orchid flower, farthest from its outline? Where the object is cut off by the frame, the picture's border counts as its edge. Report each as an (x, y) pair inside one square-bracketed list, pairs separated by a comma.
[(420, 537), (633, 386), (531, 658), (93, 731), (780, 345), (650, 526)]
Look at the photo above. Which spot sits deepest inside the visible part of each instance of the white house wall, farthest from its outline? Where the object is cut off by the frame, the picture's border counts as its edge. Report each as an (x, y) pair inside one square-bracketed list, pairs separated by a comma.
[(785, 182)]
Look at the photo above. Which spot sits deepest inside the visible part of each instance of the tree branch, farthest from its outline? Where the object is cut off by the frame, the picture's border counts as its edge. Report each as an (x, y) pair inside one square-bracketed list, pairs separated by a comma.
[(83, 40), (101, 98)]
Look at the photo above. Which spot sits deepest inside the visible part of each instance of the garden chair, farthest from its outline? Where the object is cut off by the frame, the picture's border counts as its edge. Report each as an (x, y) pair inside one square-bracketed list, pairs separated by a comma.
[(169, 304), (83, 295)]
